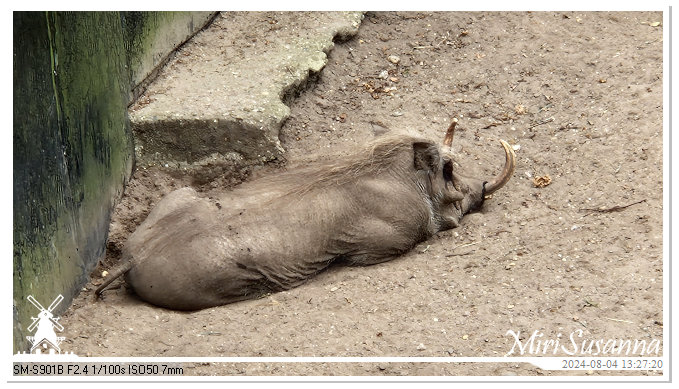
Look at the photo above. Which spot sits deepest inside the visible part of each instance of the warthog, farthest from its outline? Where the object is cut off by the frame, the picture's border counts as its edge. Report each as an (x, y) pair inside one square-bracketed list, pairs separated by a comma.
[(274, 233)]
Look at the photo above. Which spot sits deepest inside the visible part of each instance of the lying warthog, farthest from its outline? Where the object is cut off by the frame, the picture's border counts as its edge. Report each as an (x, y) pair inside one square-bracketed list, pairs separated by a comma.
[(274, 233)]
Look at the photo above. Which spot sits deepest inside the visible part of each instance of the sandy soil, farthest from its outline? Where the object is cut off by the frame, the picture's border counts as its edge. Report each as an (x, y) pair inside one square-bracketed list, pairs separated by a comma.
[(579, 95)]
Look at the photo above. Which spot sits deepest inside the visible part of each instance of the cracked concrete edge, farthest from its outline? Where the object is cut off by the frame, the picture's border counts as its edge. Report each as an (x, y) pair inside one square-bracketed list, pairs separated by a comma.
[(202, 146)]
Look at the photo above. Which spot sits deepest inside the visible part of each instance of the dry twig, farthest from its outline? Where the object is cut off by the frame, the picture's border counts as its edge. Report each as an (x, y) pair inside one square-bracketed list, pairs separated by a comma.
[(541, 123), (616, 208)]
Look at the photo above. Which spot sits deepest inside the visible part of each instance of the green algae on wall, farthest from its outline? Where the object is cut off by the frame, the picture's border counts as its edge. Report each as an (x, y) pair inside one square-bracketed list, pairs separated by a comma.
[(72, 151)]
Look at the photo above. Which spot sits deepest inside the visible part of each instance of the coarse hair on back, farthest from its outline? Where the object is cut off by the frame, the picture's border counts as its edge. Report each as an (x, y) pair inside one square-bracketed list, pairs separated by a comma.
[(323, 171)]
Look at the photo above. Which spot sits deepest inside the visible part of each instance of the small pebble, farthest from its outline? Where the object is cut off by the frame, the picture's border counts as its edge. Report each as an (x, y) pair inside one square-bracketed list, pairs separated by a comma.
[(394, 59), (421, 347)]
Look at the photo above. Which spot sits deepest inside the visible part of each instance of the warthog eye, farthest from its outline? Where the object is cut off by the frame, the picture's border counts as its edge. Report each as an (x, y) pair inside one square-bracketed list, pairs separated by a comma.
[(448, 171)]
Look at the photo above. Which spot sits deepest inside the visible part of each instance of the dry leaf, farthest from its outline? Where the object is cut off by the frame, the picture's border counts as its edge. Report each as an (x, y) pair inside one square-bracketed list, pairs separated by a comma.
[(541, 182)]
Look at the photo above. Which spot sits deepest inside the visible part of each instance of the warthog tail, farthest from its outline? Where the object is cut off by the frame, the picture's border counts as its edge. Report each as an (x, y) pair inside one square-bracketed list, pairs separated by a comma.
[(115, 273)]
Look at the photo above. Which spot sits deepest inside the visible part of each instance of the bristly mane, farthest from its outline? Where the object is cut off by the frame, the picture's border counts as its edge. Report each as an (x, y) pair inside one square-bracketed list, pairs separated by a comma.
[(334, 170)]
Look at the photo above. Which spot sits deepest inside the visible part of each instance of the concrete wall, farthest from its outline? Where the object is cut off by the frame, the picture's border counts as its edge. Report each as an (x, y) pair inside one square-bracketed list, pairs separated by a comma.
[(72, 149)]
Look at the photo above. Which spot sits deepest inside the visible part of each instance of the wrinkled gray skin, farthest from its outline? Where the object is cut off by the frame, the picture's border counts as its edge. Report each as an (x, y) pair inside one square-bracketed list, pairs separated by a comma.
[(273, 234)]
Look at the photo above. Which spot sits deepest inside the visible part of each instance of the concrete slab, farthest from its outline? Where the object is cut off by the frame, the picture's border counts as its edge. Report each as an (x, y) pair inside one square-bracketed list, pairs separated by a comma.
[(221, 98)]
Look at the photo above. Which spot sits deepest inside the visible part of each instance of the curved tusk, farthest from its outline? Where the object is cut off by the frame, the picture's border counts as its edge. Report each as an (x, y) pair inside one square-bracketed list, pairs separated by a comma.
[(448, 140), (507, 172)]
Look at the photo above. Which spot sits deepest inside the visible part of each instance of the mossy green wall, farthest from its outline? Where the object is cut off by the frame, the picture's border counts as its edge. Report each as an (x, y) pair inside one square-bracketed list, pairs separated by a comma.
[(73, 150)]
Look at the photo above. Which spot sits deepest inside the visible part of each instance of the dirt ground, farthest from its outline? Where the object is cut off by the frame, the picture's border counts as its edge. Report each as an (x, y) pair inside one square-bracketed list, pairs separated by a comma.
[(579, 95)]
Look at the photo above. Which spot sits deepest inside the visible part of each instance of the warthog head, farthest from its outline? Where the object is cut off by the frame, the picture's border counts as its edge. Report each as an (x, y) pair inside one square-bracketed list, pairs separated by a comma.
[(452, 194)]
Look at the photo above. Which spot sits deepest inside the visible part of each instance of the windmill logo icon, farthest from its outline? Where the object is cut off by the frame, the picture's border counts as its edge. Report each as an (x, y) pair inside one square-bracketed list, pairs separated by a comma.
[(45, 339)]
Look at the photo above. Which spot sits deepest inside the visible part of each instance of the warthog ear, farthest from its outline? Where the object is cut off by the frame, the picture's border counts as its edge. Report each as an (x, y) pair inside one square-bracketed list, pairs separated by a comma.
[(426, 156)]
